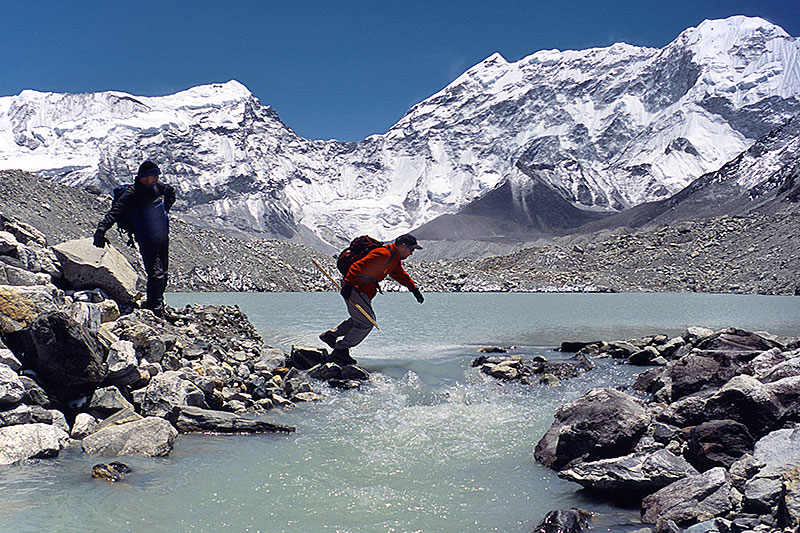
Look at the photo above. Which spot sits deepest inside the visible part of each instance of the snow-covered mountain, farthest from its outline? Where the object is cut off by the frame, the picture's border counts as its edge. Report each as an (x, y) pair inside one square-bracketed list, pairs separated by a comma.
[(604, 128)]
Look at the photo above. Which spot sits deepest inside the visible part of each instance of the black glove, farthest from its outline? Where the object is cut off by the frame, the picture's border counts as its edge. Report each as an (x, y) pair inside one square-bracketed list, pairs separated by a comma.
[(99, 239), (346, 291), (418, 295)]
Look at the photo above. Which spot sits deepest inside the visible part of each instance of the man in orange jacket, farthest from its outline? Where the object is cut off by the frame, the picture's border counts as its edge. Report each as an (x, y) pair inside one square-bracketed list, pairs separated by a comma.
[(360, 286)]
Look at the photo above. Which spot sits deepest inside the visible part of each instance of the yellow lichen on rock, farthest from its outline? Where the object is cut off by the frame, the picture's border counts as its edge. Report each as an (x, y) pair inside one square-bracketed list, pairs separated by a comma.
[(15, 306)]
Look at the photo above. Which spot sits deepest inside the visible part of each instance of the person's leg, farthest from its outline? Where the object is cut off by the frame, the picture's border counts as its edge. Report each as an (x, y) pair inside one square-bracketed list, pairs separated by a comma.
[(330, 336), (155, 256), (361, 326)]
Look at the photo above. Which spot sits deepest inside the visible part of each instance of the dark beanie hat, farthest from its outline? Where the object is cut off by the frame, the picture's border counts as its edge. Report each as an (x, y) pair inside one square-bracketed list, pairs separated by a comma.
[(148, 168)]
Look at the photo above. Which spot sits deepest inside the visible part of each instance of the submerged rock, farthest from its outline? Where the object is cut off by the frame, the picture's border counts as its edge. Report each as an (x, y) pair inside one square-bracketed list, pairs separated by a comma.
[(564, 521), (113, 471)]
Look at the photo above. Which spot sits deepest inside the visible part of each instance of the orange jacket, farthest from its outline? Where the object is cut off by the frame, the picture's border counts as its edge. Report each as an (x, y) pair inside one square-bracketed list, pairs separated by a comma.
[(367, 272)]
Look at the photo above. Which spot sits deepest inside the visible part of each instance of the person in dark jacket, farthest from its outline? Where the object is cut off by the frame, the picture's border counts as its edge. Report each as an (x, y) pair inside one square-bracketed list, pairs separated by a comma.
[(145, 204), (360, 285)]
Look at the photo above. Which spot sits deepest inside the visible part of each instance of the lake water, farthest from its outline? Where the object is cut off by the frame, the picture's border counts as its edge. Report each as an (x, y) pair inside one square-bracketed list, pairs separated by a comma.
[(430, 444)]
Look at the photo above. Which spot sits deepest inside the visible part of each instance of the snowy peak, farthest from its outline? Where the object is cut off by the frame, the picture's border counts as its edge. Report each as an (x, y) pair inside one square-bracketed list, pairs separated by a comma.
[(603, 128)]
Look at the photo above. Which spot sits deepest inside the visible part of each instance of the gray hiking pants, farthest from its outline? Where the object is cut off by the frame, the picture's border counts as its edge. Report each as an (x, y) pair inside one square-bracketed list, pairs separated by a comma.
[(356, 328)]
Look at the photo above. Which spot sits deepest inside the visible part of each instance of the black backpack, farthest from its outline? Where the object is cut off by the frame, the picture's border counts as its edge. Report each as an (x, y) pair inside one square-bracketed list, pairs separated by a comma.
[(125, 223), (359, 247)]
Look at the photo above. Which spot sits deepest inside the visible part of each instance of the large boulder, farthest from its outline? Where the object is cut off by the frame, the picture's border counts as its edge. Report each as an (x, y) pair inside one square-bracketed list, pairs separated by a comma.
[(636, 475), (694, 372), (195, 419), (746, 400), (61, 351), (150, 437), (30, 441), (602, 423), (691, 499), (86, 267), (718, 443), (737, 340), (166, 392)]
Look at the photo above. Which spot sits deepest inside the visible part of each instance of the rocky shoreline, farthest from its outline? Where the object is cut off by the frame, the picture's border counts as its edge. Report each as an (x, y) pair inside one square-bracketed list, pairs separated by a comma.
[(79, 367), (706, 440), (748, 254)]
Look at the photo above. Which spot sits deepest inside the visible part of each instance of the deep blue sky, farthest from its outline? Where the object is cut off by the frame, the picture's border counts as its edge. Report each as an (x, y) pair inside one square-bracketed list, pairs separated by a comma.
[(334, 69)]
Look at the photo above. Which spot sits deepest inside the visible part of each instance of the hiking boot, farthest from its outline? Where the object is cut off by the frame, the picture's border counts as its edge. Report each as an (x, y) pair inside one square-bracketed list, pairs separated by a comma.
[(329, 339), (341, 356)]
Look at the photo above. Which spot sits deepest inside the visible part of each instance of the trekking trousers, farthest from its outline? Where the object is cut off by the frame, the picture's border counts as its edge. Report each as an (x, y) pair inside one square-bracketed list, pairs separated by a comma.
[(155, 255), (356, 328)]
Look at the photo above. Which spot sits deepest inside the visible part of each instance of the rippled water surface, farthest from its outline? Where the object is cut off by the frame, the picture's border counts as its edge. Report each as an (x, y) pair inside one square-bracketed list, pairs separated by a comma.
[(429, 445)]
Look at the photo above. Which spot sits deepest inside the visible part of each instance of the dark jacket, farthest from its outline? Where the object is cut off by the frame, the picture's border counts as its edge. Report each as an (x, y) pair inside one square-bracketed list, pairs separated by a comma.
[(145, 207), (367, 272)]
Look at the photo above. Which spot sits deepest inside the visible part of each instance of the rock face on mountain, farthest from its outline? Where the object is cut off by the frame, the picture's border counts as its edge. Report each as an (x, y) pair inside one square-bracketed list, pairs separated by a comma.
[(604, 128)]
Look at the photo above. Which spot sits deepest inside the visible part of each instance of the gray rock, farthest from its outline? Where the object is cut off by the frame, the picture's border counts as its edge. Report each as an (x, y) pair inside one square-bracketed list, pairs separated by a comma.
[(692, 373), (12, 390), (736, 340), (354, 372), (19, 277), (602, 423), (122, 364), (8, 358), (743, 469), (150, 437), (34, 393), (718, 443), (21, 414), (779, 451), (787, 392), (761, 494), (325, 372), (61, 351), (305, 358), (784, 369), (766, 361), (637, 475), (746, 400), (30, 441), (692, 499), (84, 425), (41, 415), (687, 411), (107, 401), (168, 391), (195, 419), (146, 340), (85, 267), (59, 420)]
